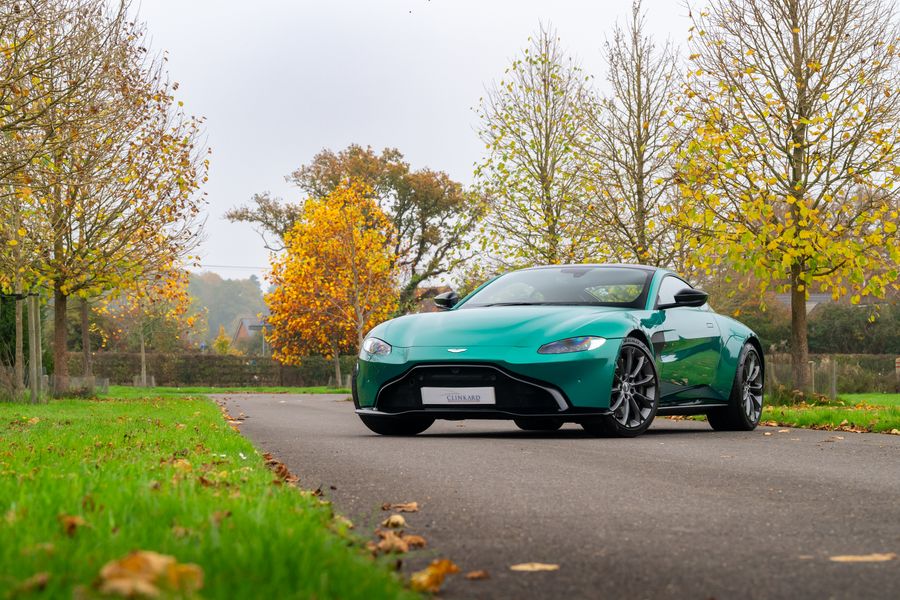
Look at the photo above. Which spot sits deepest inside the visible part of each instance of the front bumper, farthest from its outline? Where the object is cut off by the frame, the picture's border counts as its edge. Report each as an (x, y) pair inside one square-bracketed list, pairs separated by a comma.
[(526, 383)]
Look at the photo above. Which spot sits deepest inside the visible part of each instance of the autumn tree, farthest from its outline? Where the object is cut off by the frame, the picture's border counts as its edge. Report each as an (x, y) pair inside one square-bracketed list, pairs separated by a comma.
[(634, 136), (115, 193), (152, 312), (335, 280), (431, 214), (791, 173), (534, 123)]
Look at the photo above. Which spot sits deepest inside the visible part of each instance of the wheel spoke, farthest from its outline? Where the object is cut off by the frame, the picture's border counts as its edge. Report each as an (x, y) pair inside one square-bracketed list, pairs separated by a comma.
[(635, 411), (637, 369), (618, 403), (646, 401), (624, 420), (644, 381)]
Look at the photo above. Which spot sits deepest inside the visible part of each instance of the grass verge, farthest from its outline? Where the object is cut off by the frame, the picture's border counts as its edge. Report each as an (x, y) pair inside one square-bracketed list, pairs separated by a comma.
[(128, 392), (860, 418), (167, 475)]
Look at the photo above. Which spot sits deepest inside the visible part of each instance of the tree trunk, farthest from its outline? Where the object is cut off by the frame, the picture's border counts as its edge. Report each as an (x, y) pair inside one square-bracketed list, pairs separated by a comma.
[(143, 358), (19, 372), (60, 335), (87, 366), (799, 345), (39, 344), (33, 374), (337, 367)]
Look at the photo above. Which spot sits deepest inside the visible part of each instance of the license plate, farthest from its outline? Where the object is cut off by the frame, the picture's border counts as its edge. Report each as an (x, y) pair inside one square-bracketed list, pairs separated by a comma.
[(464, 395)]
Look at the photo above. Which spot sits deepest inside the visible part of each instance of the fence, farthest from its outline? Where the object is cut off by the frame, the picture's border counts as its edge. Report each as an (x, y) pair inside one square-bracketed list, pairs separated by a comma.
[(838, 373), (851, 373), (211, 370)]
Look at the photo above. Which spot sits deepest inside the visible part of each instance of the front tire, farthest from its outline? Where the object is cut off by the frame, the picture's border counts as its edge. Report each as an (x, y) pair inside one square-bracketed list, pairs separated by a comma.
[(634, 396), (397, 426), (745, 404)]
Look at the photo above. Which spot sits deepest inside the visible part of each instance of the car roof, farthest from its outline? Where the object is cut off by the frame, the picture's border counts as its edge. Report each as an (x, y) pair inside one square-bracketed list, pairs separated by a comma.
[(621, 265)]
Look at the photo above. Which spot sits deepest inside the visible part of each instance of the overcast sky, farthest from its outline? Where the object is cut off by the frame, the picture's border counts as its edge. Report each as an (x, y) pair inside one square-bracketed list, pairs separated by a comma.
[(279, 80)]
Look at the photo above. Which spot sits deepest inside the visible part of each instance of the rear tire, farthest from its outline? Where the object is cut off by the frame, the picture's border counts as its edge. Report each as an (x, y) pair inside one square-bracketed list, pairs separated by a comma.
[(745, 403), (538, 423), (634, 396), (399, 426)]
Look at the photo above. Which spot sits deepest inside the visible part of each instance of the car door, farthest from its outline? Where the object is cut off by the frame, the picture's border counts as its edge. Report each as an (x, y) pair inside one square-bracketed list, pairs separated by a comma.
[(687, 343)]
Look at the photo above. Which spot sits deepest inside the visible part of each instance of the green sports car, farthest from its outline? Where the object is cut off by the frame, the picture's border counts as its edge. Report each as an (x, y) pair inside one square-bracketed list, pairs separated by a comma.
[(606, 346)]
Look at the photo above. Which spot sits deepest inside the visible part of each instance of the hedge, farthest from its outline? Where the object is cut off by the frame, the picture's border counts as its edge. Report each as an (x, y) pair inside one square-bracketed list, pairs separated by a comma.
[(211, 369)]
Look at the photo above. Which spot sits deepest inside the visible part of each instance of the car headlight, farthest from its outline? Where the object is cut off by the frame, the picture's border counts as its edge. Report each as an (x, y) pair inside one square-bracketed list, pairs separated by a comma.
[(375, 346), (575, 344)]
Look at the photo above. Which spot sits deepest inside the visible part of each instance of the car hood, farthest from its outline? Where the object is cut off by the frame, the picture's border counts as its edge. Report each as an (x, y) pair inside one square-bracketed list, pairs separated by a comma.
[(521, 326)]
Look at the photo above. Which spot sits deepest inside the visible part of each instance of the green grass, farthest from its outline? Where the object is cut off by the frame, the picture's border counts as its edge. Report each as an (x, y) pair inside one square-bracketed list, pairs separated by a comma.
[(112, 463), (879, 419), (878, 399), (124, 391)]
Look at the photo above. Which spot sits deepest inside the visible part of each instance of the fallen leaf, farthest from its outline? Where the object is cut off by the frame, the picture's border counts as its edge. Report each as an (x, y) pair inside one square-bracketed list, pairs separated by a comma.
[(431, 577), (391, 542), (784, 431), (220, 516), (36, 582), (343, 521), (394, 522), (414, 541), (181, 465), (895, 431), (767, 433), (401, 507), (143, 573), (477, 575), (71, 523), (855, 558), (34, 421), (534, 566)]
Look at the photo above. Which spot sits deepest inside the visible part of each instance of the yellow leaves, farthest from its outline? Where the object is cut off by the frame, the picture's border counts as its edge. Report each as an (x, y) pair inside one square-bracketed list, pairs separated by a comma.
[(432, 577), (860, 558), (407, 507), (534, 566), (148, 574), (394, 522)]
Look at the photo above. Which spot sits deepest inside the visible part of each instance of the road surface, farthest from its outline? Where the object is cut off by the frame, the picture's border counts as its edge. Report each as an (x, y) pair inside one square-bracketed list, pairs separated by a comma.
[(680, 512)]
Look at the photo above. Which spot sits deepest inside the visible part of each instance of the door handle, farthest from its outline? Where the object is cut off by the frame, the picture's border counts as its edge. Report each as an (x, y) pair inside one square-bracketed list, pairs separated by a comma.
[(709, 324)]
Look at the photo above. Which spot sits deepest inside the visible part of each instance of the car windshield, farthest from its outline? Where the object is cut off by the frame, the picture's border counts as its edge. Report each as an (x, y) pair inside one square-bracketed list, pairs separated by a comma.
[(568, 285)]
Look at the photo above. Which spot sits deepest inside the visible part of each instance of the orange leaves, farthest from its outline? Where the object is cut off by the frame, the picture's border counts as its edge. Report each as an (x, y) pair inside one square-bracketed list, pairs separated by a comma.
[(407, 507), (71, 523), (431, 577), (144, 573), (336, 278)]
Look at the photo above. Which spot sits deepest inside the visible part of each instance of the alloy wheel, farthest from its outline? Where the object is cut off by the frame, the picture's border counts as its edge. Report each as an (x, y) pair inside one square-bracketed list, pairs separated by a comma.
[(752, 387), (634, 387)]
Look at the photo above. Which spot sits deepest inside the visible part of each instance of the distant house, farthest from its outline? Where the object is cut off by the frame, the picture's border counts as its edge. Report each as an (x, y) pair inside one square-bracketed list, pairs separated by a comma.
[(246, 328), (425, 298), (812, 301)]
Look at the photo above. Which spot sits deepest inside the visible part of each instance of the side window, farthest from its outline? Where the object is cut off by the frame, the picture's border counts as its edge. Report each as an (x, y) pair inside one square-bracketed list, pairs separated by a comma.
[(669, 286)]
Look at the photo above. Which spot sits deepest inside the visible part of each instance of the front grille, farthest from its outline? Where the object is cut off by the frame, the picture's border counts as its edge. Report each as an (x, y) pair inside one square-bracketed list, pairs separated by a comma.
[(513, 394)]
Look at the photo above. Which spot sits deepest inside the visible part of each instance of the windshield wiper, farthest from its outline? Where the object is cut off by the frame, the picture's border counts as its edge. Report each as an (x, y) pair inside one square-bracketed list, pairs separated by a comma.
[(538, 304)]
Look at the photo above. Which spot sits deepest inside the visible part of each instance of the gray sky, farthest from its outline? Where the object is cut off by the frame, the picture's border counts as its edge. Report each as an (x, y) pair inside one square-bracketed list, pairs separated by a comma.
[(279, 80)]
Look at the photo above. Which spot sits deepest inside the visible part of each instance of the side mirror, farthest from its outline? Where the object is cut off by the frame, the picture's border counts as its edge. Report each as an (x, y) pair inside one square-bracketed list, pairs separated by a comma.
[(688, 297), (447, 300)]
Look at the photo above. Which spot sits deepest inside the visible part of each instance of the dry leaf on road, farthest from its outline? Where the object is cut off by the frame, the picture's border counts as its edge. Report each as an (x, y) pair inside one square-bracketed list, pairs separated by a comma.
[(431, 577), (534, 566), (414, 541), (854, 558), (391, 542), (477, 575), (394, 522), (401, 507)]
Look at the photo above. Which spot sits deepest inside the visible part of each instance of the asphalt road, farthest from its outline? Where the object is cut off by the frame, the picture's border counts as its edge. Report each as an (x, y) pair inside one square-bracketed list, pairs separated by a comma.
[(680, 512)]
